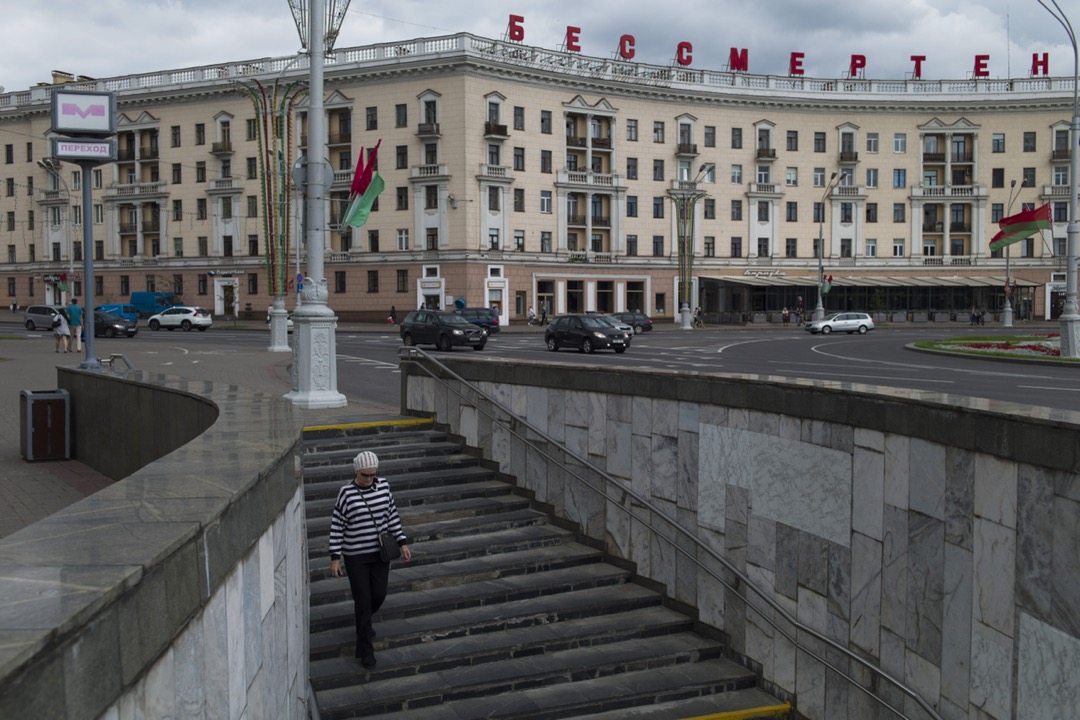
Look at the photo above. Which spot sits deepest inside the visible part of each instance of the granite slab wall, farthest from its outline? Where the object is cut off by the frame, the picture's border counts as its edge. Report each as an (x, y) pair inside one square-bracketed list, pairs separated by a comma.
[(179, 591), (936, 537)]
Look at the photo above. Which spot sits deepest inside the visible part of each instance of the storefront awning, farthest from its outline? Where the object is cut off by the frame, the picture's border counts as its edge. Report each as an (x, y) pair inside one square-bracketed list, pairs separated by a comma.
[(872, 280)]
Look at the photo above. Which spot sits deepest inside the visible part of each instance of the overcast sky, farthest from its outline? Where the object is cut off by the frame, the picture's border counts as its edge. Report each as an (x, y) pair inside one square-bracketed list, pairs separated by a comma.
[(105, 38)]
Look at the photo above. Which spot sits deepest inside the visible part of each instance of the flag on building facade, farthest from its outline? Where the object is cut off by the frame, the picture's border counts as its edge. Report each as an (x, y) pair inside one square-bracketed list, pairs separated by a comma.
[(366, 186), (826, 284), (1021, 226)]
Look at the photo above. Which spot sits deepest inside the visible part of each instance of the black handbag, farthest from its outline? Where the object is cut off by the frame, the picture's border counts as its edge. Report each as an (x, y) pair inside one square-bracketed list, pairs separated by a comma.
[(388, 547)]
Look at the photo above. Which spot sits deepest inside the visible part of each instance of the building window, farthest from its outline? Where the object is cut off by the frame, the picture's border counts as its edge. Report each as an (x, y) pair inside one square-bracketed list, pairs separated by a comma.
[(253, 283), (898, 212), (545, 241), (793, 140), (1061, 212), (710, 136), (631, 246), (871, 177), (658, 245), (403, 239), (736, 209), (545, 122), (253, 245), (791, 177), (709, 247), (493, 199), (200, 209), (763, 247), (709, 209), (997, 177), (545, 201), (631, 168), (200, 134), (200, 172), (792, 212), (899, 178), (1029, 142), (1029, 177), (658, 170), (736, 246), (631, 130), (846, 212), (736, 138), (177, 210), (658, 132), (763, 210), (519, 240), (519, 117), (373, 281), (736, 174), (871, 212), (631, 206), (519, 200), (545, 161), (1061, 175), (431, 197), (871, 142), (997, 143), (997, 211), (900, 143), (226, 208), (791, 248), (658, 207), (373, 240)]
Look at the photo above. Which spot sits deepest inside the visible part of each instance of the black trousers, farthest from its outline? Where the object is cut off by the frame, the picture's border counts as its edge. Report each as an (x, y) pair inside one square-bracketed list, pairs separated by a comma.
[(369, 578)]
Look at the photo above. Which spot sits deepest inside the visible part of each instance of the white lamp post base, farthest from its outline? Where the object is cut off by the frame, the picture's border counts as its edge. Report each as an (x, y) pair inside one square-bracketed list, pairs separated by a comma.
[(279, 328), (684, 317)]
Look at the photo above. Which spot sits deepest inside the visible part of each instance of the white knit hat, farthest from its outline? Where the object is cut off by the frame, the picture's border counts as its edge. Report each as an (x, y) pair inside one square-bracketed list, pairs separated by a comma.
[(366, 460)]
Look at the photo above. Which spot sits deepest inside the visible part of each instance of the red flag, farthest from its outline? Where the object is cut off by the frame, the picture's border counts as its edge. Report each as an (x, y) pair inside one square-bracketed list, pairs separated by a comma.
[(355, 190), (364, 171)]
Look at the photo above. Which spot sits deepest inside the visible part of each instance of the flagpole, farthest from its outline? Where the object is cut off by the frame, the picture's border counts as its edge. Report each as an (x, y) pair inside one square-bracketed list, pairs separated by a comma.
[(819, 311), (1007, 312)]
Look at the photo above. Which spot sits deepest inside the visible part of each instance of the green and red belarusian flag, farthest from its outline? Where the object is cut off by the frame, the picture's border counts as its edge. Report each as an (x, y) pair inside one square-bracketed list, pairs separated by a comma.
[(1021, 226), (366, 186)]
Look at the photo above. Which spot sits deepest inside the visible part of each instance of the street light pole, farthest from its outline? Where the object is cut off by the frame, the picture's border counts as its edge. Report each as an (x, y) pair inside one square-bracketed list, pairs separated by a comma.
[(819, 311), (1069, 321), (1007, 311), (54, 170), (685, 195)]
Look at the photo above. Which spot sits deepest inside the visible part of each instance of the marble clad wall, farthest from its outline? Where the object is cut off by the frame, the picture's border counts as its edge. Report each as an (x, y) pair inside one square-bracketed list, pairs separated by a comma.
[(941, 541)]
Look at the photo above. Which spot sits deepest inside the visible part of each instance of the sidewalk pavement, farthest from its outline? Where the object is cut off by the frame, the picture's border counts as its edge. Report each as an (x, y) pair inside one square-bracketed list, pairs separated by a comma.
[(30, 491)]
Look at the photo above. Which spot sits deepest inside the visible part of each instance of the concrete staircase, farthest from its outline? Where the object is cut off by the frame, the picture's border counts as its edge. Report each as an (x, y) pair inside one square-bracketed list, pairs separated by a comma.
[(501, 613)]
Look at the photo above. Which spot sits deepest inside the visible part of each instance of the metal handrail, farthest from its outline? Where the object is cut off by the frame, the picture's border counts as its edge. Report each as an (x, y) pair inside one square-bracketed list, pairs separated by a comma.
[(415, 353)]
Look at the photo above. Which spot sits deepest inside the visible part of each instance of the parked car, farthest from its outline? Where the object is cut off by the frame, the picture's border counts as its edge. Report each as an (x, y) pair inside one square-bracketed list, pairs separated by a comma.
[(40, 316), (182, 317), (107, 324), (441, 328), (636, 319), (124, 310), (587, 333), (486, 318), (617, 324), (849, 322)]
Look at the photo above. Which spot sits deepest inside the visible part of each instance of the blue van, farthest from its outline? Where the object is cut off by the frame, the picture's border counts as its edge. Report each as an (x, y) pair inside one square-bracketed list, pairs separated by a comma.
[(124, 310), (151, 303)]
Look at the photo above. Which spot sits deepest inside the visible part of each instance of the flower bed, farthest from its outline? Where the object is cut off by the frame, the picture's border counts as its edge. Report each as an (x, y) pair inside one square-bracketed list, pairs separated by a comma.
[(1037, 346)]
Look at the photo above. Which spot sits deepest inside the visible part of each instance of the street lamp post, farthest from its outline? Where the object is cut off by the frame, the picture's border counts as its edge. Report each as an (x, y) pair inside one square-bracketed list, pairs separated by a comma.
[(52, 167), (685, 195), (819, 311), (1069, 321), (1007, 311)]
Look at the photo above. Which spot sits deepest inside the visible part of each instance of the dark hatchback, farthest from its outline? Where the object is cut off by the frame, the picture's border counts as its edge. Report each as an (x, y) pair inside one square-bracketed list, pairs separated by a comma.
[(443, 329), (107, 324), (637, 320), (587, 333), (485, 318)]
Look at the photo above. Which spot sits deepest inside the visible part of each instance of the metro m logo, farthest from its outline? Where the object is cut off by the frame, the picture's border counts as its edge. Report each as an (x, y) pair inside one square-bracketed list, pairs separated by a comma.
[(73, 109)]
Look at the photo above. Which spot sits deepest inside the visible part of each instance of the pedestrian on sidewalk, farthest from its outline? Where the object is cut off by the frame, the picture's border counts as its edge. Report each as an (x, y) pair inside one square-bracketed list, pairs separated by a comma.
[(543, 313), (14, 305), (364, 507), (62, 331), (75, 315), (392, 319), (532, 315)]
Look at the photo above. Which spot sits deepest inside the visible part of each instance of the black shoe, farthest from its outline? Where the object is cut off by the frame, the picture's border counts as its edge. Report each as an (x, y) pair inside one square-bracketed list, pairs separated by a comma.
[(368, 663)]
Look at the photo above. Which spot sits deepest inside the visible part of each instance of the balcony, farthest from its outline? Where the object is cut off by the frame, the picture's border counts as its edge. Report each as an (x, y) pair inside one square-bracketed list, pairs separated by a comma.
[(589, 178), (495, 172), (1061, 154), (53, 197), (151, 226), (223, 147), (599, 221), (933, 227), (766, 153), (149, 153), (429, 172), (224, 186), (495, 131), (764, 189), (948, 191), (964, 157), (129, 228), (135, 190), (601, 143), (428, 130), (687, 149), (849, 156), (576, 142), (125, 154), (933, 157), (959, 227), (576, 220), (848, 191), (339, 138), (1056, 191)]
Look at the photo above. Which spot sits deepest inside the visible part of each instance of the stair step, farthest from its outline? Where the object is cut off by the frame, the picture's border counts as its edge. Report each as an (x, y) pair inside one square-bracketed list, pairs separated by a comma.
[(413, 576), (752, 698), (389, 454), (394, 425), (437, 654), (417, 480), (477, 483), (591, 678), (316, 445), (343, 471)]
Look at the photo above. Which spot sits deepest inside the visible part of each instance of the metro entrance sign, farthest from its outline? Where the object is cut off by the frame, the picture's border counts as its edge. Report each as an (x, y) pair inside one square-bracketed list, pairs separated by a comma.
[(83, 149)]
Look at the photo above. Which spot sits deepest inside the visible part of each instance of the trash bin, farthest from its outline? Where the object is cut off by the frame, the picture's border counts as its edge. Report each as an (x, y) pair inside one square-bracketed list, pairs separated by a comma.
[(44, 424)]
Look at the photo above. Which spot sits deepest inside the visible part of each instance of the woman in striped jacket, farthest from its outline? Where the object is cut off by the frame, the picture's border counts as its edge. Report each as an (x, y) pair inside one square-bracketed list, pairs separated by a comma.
[(363, 508)]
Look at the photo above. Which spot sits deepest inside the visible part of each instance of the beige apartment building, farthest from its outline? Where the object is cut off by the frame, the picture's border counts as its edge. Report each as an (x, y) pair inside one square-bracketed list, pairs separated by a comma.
[(521, 177)]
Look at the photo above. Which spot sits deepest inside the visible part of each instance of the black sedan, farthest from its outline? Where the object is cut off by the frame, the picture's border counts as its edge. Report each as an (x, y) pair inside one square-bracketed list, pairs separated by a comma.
[(107, 324), (587, 333), (444, 330)]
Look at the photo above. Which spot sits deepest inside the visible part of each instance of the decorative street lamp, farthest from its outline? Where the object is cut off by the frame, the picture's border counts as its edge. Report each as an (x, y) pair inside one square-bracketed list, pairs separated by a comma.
[(1070, 319), (685, 195), (314, 367), (819, 311)]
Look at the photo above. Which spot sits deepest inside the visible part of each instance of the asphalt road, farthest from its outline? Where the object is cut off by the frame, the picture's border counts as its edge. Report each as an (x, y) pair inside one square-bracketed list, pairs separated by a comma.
[(367, 361)]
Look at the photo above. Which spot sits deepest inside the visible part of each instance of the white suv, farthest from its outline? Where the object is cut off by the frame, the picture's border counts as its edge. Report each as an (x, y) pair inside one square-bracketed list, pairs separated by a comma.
[(182, 317)]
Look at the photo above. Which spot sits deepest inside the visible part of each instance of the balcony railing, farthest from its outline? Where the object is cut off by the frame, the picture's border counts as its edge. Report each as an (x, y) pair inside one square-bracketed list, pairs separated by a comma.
[(601, 221), (135, 190), (125, 154), (941, 191), (500, 172), (429, 171), (849, 156), (933, 227), (151, 226), (221, 148), (766, 153), (227, 184), (933, 157), (964, 157), (428, 129), (340, 138), (495, 130), (577, 142), (764, 188), (1062, 154), (129, 228), (688, 149), (960, 227), (577, 220), (149, 153), (586, 177), (601, 142), (53, 196)]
